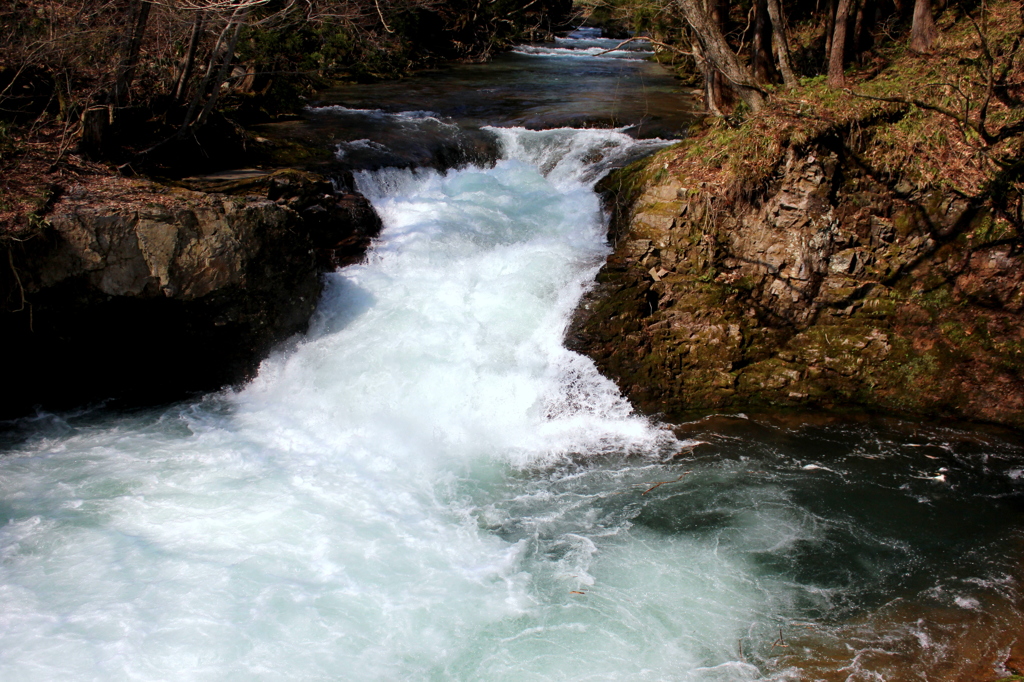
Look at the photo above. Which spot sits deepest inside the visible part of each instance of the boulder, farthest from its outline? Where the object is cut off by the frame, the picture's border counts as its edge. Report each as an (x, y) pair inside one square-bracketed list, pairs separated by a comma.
[(154, 292), (828, 289)]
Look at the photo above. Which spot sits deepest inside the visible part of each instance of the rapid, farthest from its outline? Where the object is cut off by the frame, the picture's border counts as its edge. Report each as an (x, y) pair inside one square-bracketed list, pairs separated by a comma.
[(429, 486)]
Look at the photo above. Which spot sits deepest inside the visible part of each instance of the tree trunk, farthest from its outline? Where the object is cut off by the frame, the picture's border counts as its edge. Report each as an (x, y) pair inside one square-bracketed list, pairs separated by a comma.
[(719, 11), (761, 58), (837, 57), (781, 42), (720, 98), (126, 72), (225, 69), (719, 55), (190, 58), (95, 122), (922, 31), (853, 47), (830, 27), (867, 19), (187, 122)]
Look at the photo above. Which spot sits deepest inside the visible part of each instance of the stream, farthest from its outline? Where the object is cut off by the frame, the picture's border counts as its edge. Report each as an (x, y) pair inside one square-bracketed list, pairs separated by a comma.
[(429, 486)]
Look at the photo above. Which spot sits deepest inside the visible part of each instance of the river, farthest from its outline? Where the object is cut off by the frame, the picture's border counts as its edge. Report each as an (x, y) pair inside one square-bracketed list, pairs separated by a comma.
[(429, 486)]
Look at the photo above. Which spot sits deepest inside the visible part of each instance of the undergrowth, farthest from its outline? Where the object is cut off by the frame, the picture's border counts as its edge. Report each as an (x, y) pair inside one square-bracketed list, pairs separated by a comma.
[(916, 122)]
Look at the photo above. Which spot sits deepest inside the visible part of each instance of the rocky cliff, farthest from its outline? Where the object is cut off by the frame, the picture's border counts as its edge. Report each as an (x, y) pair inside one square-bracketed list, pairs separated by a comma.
[(824, 286), (142, 292)]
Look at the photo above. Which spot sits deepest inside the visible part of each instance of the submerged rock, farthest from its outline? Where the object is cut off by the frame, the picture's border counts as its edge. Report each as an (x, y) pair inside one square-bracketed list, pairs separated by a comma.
[(826, 289), (145, 293)]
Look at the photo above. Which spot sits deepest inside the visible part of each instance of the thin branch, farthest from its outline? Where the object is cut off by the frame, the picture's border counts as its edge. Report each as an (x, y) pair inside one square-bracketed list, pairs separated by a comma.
[(963, 120), (21, 288), (780, 641), (658, 484), (990, 86), (381, 15), (652, 41)]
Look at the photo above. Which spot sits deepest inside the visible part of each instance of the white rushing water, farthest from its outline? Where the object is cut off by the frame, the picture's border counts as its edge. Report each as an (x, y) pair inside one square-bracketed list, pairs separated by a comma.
[(427, 486), (586, 42), (344, 516)]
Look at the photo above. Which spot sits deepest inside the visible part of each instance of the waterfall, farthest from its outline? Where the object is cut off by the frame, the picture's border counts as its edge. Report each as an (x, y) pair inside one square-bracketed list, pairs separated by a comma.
[(368, 507), (429, 486)]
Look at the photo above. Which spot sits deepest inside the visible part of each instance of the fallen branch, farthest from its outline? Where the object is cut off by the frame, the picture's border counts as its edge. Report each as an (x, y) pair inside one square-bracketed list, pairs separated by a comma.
[(658, 484), (652, 41), (780, 642)]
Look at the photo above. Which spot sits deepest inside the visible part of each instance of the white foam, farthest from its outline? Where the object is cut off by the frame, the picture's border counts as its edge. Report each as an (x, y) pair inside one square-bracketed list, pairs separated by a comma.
[(344, 148), (569, 157), (376, 505), (414, 115), (593, 52)]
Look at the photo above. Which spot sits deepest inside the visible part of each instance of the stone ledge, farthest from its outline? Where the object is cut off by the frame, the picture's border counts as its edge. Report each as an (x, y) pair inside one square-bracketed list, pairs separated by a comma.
[(161, 291)]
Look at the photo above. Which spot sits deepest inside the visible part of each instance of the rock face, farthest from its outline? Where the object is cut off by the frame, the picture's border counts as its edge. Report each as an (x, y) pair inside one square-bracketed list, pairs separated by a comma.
[(159, 292), (827, 289)]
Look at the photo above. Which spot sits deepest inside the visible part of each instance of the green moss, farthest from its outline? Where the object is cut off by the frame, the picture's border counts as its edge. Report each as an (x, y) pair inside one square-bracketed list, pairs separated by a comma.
[(621, 189), (905, 223), (938, 299), (905, 340), (1010, 355), (880, 307), (986, 228), (911, 371), (283, 153)]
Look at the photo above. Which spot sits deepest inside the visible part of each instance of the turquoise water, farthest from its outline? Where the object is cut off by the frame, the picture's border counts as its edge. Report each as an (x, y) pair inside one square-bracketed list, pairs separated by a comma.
[(429, 486)]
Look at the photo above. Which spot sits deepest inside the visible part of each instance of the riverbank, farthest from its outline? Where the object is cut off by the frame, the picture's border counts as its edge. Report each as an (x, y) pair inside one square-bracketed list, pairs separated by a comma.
[(126, 276), (140, 292), (840, 249), (428, 484)]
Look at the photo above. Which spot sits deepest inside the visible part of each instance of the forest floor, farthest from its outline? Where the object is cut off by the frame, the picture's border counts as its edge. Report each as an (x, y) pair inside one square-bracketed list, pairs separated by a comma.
[(918, 121)]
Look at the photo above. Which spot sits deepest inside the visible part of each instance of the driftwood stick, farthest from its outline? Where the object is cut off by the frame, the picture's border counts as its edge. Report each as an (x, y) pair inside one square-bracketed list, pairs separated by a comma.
[(658, 484)]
